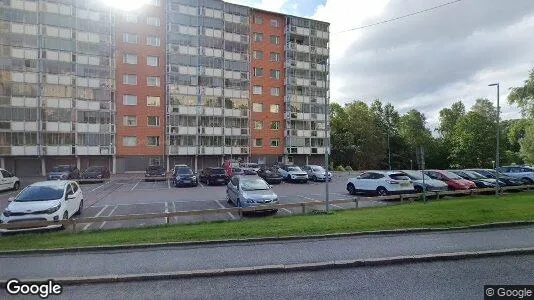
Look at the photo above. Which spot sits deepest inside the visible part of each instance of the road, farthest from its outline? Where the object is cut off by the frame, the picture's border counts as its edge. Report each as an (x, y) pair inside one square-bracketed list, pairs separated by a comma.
[(172, 259), (436, 280)]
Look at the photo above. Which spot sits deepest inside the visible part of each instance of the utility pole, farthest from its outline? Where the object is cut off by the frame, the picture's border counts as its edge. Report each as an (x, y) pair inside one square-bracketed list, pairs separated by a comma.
[(497, 164)]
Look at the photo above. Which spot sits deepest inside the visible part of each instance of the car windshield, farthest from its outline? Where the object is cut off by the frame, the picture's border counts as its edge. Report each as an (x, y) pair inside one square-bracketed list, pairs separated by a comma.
[(153, 168), (451, 175), (184, 171), (60, 169), (474, 175), (93, 169), (295, 169), (217, 171), (40, 193), (318, 169), (253, 184)]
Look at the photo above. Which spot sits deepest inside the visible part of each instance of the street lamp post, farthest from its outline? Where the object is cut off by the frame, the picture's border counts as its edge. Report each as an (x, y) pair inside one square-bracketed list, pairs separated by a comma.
[(497, 164)]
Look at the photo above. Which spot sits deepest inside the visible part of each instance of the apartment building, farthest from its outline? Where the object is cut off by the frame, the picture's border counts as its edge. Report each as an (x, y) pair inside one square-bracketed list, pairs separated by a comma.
[(56, 84), (175, 81)]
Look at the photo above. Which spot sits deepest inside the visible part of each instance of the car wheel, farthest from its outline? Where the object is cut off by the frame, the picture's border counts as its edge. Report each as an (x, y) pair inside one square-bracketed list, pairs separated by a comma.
[(16, 186), (381, 191), (314, 178), (351, 189), (528, 180), (238, 203), (80, 208), (288, 178)]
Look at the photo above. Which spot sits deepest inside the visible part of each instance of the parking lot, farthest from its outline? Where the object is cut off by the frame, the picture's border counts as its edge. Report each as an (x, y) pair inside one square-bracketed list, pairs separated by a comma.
[(128, 194)]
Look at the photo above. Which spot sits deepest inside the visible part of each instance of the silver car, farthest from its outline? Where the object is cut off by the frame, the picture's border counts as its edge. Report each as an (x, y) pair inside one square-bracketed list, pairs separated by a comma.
[(248, 191), (316, 173)]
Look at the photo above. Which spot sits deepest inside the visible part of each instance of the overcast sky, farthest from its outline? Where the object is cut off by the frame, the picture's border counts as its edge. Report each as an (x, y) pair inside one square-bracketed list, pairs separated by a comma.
[(427, 61)]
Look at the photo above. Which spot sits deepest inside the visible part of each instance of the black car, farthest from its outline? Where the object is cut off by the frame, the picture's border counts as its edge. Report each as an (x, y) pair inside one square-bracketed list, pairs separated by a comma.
[(63, 172), (212, 176), (506, 179), (184, 176), (271, 175), (155, 172), (96, 172)]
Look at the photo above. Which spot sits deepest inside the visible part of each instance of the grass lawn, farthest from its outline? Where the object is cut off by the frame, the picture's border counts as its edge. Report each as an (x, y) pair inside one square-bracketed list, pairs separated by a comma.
[(445, 213)]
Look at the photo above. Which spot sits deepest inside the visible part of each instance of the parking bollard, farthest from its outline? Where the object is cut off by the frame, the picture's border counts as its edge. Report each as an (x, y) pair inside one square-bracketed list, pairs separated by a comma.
[(356, 202), (303, 208)]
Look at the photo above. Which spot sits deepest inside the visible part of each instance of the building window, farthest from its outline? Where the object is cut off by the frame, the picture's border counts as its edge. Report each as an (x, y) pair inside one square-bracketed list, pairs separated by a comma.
[(275, 143), (275, 125), (258, 19), (257, 107), (275, 91), (153, 21), (129, 100), (152, 81), (257, 54), (275, 23), (275, 74), (130, 79), (129, 120), (152, 121), (155, 2), (275, 39), (130, 18), (257, 37), (129, 59), (153, 40), (258, 71), (152, 61), (258, 142), (152, 141), (274, 56), (130, 38), (275, 108), (258, 125), (257, 90), (152, 101), (129, 141)]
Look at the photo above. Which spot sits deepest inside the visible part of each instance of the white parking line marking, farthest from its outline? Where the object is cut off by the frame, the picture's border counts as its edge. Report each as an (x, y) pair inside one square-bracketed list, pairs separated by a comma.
[(308, 198), (109, 215), (166, 211), (287, 210), (340, 194), (201, 185), (135, 185), (337, 206), (100, 186), (97, 215), (222, 206), (174, 210), (153, 203)]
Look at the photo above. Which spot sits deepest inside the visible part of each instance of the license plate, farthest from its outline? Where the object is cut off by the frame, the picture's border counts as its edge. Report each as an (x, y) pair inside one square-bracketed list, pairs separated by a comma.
[(187, 181)]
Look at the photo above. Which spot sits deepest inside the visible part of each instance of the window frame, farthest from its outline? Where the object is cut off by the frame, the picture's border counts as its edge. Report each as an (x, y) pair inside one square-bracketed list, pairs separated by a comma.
[(277, 108)]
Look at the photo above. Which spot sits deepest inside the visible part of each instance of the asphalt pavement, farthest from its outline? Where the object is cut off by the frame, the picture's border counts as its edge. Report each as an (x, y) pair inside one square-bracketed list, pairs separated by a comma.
[(231, 255), (126, 194), (463, 279)]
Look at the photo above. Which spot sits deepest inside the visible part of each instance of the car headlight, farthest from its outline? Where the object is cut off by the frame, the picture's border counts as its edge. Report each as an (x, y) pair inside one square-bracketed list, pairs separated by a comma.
[(98, 176), (194, 178), (7, 213), (53, 209)]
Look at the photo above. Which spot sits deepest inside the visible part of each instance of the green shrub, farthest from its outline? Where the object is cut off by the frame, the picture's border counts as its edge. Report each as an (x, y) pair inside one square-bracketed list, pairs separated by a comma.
[(340, 169), (348, 168)]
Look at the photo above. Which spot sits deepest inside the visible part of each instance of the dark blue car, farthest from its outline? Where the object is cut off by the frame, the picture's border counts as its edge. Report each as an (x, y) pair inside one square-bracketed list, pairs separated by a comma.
[(184, 176)]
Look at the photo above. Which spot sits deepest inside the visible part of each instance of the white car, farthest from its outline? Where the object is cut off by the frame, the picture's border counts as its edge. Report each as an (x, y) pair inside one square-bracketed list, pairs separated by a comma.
[(250, 168), (293, 173), (8, 181), (381, 183), (317, 173), (43, 201)]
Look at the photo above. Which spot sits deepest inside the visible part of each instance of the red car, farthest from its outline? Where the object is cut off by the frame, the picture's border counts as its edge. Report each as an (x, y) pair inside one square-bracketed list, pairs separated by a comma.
[(454, 181)]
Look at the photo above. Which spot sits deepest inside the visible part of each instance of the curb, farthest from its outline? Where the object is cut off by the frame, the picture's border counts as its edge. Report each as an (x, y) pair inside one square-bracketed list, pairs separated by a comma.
[(270, 269), (265, 239)]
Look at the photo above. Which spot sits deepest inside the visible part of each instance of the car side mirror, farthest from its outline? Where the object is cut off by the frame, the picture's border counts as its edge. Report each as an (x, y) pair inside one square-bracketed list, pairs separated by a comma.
[(10, 199)]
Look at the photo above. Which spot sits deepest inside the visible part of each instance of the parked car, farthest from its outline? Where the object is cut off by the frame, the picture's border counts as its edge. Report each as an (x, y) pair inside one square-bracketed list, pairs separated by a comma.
[(44, 201), (250, 168), (293, 173), (316, 173), (270, 175), (245, 191), (8, 181), (155, 172), (178, 166), (63, 172), (212, 176), (237, 171), (524, 173), (380, 183), (479, 180), (429, 184), (96, 172), (454, 181), (183, 176), (505, 179)]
